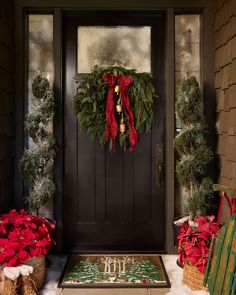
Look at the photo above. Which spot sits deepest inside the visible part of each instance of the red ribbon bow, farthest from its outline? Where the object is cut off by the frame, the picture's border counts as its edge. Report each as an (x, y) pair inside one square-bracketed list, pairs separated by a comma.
[(112, 126)]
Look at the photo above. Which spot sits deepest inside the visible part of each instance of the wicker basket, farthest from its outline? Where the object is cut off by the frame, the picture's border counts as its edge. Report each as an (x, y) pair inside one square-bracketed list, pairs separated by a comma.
[(38, 263), (193, 278)]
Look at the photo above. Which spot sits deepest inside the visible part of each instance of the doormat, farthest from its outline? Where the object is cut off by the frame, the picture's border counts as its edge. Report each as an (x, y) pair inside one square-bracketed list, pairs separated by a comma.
[(114, 271)]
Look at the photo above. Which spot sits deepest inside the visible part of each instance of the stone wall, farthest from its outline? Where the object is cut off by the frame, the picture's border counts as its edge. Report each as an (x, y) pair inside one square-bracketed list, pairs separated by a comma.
[(225, 84), (6, 106)]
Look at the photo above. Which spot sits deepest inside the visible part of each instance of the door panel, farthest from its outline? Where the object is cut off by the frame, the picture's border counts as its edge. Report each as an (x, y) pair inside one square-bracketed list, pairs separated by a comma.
[(112, 200)]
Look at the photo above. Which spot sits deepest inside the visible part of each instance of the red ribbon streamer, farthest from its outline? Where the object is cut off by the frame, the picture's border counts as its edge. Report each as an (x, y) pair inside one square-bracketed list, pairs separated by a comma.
[(112, 126)]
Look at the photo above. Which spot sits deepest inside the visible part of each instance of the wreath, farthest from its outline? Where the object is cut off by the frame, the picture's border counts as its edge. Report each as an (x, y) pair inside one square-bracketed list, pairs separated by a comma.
[(114, 105)]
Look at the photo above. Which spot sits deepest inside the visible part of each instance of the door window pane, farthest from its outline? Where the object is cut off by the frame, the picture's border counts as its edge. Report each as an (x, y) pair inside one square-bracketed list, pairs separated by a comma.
[(125, 46)]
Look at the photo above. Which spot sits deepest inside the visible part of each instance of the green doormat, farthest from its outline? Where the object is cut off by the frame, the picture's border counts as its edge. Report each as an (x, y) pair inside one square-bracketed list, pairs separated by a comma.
[(114, 271)]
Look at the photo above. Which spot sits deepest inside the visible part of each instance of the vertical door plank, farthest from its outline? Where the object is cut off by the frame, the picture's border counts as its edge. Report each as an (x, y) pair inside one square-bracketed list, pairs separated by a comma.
[(114, 187), (86, 194), (100, 185), (128, 187), (142, 180)]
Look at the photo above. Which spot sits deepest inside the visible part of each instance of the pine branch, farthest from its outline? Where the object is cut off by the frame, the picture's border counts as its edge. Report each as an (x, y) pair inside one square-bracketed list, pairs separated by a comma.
[(35, 161), (194, 154), (89, 103)]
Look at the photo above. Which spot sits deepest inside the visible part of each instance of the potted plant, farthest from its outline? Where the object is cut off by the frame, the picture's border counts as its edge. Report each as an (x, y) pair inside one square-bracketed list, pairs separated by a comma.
[(25, 239), (194, 154), (191, 170), (35, 162), (194, 243)]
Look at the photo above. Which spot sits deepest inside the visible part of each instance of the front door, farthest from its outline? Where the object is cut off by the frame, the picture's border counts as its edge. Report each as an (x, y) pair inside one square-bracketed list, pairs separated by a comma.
[(113, 201)]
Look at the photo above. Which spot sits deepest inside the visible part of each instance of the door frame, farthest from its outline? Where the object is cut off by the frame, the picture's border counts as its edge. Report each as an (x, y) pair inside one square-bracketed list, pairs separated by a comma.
[(156, 20), (57, 8)]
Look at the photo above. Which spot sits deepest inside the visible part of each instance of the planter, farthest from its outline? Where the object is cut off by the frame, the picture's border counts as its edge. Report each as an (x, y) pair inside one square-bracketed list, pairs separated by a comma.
[(177, 222), (193, 278), (38, 264)]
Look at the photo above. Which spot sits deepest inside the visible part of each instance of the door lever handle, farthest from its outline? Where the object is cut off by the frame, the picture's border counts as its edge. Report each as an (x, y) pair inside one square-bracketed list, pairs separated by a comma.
[(160, 173), (159, 165)]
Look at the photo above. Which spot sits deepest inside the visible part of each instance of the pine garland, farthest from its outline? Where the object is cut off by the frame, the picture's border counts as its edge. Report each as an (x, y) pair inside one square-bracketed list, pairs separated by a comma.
[(89, 103), (195, 155), (35, 162)]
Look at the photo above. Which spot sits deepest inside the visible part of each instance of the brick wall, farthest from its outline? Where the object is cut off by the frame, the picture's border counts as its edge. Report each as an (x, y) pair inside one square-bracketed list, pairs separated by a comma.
[(6, 106)]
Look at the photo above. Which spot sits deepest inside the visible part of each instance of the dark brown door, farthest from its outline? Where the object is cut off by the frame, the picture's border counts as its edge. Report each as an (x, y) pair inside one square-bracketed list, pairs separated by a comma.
[(113, 201)]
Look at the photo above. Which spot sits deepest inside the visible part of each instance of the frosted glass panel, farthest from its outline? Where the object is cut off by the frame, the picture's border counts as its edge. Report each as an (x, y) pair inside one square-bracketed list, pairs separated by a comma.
[(109, 46), (187, 59), (40, 57), (187, 49), (40, 51), (41, 45), (187, 46)]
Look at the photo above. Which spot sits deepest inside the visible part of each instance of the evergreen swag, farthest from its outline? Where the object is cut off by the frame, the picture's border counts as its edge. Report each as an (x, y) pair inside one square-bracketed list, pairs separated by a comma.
[(190, 145), (89, 103), (35, 162)]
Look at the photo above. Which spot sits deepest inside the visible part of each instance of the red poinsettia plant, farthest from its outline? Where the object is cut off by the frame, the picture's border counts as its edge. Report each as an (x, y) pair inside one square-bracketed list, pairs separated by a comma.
[(194, 241), (23, 236)]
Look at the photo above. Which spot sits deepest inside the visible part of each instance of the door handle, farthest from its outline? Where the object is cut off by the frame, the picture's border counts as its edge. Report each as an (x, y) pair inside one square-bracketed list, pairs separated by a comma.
[(160, 174), (159, 165)]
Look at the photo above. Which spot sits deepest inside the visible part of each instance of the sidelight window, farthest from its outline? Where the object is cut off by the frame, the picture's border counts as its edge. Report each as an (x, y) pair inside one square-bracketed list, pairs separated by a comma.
[(40, 58), (187, 60)]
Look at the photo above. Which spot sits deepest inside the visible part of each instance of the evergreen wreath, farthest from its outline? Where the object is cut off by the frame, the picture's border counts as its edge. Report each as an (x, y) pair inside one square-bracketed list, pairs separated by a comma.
[(194, 154), (89, 104), (35, 162)]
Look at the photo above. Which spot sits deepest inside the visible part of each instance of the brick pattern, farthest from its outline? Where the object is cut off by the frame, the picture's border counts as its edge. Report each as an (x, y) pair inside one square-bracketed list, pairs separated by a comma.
[(225, 84), (6, 106)]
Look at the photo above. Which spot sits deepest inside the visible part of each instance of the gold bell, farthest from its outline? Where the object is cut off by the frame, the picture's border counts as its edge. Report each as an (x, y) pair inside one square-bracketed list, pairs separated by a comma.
[(122, 126), (117, 89), (119, 108)]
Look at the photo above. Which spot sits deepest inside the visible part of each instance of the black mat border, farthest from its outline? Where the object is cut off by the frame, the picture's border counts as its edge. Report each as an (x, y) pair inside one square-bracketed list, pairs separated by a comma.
[(114, 286)]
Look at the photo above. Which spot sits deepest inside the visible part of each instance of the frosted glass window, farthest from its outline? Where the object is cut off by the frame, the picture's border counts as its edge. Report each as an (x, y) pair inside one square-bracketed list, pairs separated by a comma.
[(40, 57), (110, 46), (187, 46), (40, 52), (187, 59), (187, 49)]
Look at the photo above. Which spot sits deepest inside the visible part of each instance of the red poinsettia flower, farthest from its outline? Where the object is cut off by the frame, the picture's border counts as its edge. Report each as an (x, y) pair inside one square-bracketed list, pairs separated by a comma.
[(194, 242), (23, 236), (41, 248), (4, 223), (20, 257), (29, 222), (7, 249)]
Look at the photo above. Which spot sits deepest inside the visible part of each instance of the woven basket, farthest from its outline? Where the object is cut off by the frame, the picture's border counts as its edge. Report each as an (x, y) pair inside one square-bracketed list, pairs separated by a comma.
[(38, 263), (193, 278)]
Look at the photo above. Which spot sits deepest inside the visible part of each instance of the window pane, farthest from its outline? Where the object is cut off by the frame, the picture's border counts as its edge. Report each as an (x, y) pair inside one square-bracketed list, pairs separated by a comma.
[(109, 46), (40, 51), (187, 46), (187, 59), (40, 57)]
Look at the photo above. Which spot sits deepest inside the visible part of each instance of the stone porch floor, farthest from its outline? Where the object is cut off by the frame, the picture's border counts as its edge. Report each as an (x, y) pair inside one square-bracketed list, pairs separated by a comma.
[(174, 272)]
